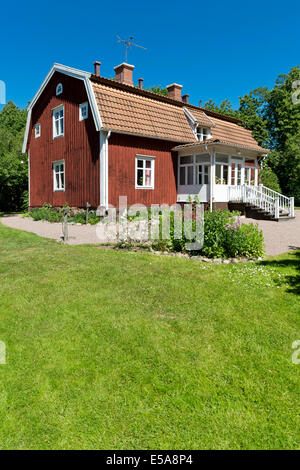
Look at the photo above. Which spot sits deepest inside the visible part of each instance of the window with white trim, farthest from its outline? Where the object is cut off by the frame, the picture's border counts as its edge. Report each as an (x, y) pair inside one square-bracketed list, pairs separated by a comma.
[(58, 121), (194, 169), (59, 176), (250, 172), (221, 169), (203, 133), (37, 131), (186, 170), (59, 89), (144, 172), (83, 111)]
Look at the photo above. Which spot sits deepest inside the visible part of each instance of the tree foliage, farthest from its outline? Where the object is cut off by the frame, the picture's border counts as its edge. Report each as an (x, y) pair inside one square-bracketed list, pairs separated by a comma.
[(273, 116), (13, 164)]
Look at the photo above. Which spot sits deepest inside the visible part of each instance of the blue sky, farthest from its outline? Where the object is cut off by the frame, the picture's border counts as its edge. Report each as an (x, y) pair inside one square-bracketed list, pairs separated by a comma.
[(215, 50)]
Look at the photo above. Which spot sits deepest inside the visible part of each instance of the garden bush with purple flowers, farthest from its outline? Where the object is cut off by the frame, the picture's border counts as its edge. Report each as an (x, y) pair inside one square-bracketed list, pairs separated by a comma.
[(224, 236)]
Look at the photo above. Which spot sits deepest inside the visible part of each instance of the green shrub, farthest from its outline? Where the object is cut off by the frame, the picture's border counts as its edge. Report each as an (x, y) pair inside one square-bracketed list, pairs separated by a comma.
[(224, 236), (244, 240), (47, 212), (269, 179)]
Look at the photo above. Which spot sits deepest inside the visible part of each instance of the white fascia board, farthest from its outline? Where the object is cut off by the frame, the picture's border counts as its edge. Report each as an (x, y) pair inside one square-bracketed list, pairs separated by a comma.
[(25, 140), (190, 116), (71, 72)]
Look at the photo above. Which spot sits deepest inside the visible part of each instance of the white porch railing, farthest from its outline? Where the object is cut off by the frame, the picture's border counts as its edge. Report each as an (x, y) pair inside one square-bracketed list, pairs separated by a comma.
[(263, 198)]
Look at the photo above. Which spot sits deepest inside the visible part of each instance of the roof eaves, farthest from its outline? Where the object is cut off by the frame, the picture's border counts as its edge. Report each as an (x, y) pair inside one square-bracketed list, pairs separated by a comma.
[(220, 142)]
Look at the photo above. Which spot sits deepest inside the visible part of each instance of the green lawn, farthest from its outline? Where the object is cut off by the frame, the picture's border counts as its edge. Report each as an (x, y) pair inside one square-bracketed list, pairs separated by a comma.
[(122, 350)]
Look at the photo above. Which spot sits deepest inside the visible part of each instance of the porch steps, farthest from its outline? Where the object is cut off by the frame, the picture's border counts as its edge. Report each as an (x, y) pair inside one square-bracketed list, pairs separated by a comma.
[(263, 202), (265, 215)]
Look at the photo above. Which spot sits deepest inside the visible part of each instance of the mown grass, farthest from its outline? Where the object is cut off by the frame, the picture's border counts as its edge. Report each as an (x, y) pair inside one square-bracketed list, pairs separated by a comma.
[(122, 350)]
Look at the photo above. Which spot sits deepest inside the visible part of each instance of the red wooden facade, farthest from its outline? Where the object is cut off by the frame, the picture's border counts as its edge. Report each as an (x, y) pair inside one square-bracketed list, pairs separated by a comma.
[(79, 147), (122, 152)]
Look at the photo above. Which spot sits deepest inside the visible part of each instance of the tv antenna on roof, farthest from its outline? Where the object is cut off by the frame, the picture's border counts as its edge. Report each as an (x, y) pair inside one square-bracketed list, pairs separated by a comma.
[(128, 43)]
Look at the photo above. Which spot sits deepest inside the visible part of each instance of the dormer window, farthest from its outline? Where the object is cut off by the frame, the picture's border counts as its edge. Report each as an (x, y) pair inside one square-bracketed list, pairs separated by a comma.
[(59, 89), (203, 133)]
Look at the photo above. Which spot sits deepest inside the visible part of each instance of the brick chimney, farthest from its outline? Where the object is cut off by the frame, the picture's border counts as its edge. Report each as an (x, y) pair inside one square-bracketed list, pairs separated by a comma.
[(97, 68), (124, 73), (185, 99), (174, 91), (141, 80)]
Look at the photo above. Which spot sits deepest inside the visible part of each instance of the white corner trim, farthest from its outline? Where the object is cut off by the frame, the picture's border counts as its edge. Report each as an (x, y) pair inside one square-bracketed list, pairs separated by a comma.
[(29, 179), (103, 167), (71, 72)]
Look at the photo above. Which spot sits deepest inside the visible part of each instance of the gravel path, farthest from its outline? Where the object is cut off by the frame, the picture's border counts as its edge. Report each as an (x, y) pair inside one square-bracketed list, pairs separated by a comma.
[(280, 237), (78, 234)]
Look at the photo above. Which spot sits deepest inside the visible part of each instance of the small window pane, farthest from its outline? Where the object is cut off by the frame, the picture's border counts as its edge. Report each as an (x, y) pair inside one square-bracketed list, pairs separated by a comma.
[(190, 175), (182, 176), (148, 178), (221, 158), (140, 177), (225, 174), (218, 174), (200, 174), (187, 159), (206, 178), (203, 158), (148, 164), (140, 163)]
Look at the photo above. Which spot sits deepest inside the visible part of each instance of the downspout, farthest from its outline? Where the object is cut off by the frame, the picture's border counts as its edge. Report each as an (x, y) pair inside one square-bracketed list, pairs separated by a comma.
[(211, 185), (103, 169)]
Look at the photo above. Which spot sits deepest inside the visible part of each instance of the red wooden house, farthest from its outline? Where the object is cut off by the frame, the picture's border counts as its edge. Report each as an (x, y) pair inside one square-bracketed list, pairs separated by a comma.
[(92, 139)]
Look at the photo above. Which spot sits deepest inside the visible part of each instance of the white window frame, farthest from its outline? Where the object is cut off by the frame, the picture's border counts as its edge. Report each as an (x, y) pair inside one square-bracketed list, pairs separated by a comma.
[(222, 165), (195, 165), (54, 166), (55, 110), (81, 107), (203, 173), (247, 167), (59, 89), (186, 166), (37, 131), (152, 169), (202, 133)]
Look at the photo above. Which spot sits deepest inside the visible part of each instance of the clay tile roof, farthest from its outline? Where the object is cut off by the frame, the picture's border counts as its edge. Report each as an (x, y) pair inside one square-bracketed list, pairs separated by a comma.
[(128, 110), (230, 132), (131, 113)]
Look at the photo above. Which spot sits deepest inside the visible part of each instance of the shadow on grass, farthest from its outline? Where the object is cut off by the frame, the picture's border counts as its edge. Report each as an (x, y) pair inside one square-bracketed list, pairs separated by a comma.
[(290, 261)]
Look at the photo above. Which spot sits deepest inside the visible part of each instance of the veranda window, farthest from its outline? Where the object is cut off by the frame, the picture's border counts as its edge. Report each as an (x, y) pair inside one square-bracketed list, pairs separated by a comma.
[(186, 170), (202, 168), (221, 169), (59, 176), (144, 172), (250, 172), (194, 169)]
